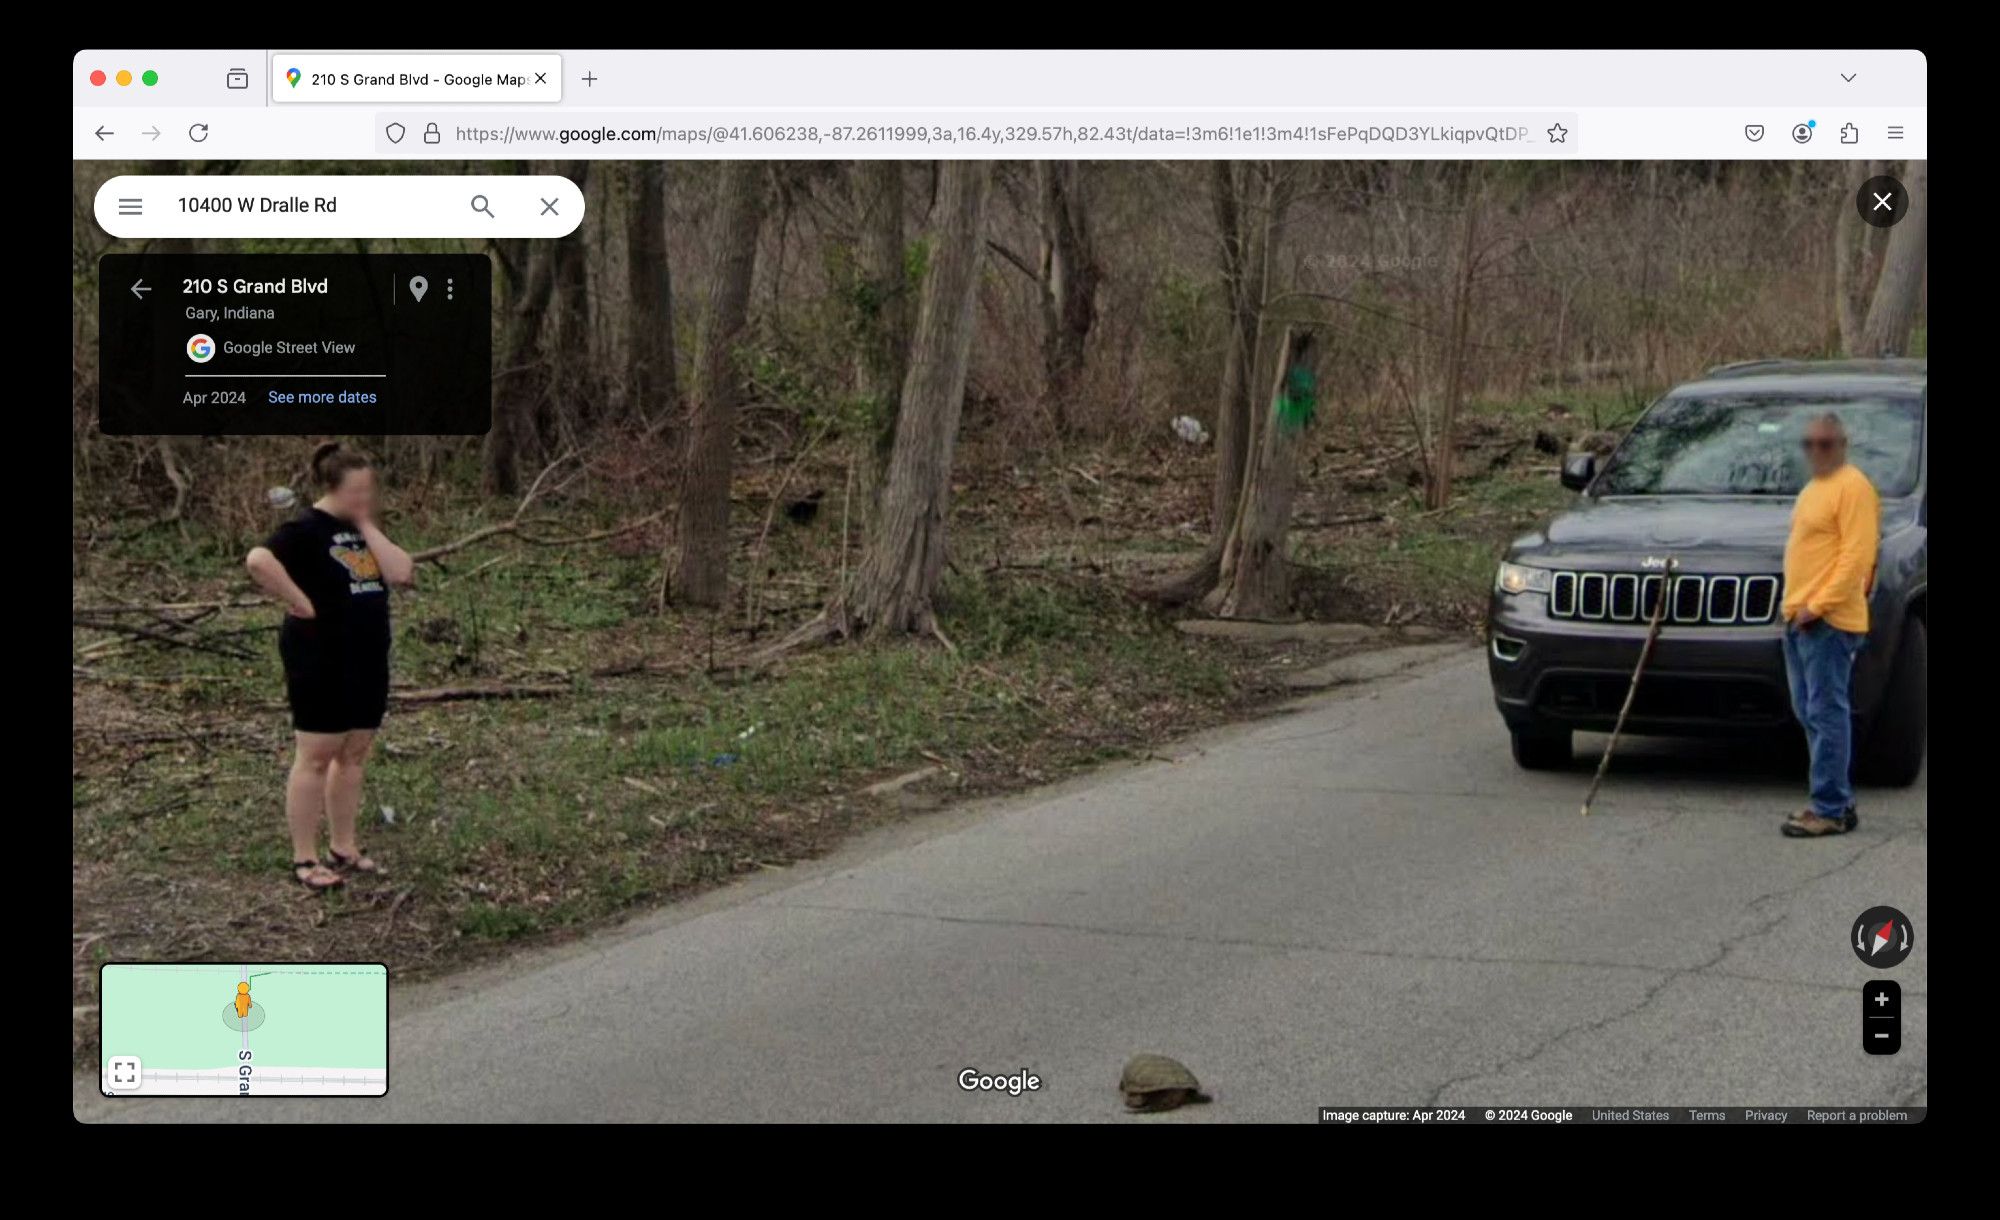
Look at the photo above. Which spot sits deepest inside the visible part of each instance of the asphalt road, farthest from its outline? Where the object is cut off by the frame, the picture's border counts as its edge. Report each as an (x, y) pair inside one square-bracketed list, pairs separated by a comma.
[(1359, 903)]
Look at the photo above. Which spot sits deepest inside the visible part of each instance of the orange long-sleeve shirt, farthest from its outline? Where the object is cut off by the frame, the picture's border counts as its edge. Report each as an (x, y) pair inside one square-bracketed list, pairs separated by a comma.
[(1830, 557)]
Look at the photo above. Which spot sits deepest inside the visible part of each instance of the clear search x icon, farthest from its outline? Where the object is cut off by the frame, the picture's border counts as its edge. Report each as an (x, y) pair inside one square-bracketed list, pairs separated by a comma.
[(479, 204)]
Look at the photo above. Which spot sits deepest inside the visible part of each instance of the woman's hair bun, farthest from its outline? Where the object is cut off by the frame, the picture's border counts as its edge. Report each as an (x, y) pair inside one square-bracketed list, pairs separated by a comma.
[(331, 462)]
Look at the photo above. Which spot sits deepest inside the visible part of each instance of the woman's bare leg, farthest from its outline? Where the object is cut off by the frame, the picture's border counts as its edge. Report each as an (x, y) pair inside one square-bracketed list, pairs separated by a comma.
[(305, 791), (343, 792)]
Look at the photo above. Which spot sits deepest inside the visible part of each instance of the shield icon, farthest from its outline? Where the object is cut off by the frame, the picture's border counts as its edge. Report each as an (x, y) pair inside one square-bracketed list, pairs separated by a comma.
[(395, 133), (1753, 132)]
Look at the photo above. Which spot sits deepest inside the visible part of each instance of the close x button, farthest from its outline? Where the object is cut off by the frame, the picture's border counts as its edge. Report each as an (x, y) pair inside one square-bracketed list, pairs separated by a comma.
[(1882, 1018)]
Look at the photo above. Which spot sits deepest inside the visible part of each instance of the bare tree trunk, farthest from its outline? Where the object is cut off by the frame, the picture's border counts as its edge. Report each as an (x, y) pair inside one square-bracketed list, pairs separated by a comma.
[(183, 483), (1454, 382), (1069, 276), (897, 579), (574, 382), (1855, 262), (701, 566), (1256, 575), (1899, 292), (882, 304), (1246, 227), (518, 386), (649, 320)]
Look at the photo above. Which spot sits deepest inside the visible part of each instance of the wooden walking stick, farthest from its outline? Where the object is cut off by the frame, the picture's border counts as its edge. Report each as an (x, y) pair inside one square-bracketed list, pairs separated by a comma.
[(1652, 634)]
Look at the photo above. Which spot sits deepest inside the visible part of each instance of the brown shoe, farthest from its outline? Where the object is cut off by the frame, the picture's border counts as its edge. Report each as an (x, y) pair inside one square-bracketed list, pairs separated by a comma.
[(1806, 824)]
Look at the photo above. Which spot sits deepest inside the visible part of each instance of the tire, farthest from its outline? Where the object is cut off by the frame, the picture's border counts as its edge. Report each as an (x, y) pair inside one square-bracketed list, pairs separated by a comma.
[(1894, 753), (1541, 749)]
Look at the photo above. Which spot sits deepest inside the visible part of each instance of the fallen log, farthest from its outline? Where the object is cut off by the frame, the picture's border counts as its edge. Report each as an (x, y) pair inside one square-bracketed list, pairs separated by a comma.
[(245, 603), (460, 694), (194, 641), (521, 529)]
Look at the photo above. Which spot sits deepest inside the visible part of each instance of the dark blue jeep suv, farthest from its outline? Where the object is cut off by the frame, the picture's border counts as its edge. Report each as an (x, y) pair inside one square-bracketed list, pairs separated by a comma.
[(1707, 477)]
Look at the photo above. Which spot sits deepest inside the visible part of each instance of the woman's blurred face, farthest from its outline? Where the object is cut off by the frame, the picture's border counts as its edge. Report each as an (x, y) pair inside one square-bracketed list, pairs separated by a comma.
[(354, 498)]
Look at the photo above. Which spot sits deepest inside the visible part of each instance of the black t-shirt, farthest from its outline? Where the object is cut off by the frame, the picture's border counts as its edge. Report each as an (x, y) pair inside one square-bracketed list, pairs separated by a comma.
[(329, 560)]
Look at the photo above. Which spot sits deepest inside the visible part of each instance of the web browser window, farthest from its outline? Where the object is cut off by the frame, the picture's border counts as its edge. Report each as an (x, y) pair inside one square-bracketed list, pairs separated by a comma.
[(1337, 587)]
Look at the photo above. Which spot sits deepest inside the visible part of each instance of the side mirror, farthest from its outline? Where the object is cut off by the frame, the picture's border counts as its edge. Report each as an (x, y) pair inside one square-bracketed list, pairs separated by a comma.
[(1578, 470)]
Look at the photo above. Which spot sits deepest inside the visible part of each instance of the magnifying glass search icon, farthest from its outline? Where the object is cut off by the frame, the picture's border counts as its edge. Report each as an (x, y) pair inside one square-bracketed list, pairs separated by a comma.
[(479, 204)]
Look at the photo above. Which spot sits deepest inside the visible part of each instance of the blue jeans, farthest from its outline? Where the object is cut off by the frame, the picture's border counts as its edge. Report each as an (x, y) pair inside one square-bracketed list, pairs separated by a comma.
[(1819, 662)]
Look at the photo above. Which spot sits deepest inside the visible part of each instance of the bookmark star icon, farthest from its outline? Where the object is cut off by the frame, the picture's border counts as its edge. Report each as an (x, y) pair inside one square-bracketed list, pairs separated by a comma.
[(1558, 134)]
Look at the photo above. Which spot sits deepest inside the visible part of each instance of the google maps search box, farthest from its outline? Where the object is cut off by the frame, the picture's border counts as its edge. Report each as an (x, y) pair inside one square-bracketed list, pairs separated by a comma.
[(338, 206), (331, 77)]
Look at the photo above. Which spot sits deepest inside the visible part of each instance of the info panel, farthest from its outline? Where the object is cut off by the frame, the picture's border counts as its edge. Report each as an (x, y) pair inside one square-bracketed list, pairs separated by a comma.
[(298, 344)]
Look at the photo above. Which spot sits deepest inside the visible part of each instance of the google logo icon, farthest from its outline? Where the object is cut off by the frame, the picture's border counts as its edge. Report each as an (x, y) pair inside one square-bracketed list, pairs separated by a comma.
[(201, 349)]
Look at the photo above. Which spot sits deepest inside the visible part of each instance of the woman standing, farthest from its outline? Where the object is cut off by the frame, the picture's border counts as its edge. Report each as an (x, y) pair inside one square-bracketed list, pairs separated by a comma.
[(331, 567)]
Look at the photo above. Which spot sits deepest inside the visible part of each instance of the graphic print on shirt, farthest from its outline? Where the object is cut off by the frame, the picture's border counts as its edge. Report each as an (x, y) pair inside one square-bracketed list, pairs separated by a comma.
[(352, 553)]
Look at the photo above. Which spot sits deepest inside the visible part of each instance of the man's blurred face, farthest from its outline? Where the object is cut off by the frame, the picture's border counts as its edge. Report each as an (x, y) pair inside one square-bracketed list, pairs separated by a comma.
[(1825, 446)]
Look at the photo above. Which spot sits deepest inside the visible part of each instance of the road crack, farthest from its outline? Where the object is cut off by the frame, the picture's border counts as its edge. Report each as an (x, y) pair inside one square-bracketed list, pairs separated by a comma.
[(1669, 977)]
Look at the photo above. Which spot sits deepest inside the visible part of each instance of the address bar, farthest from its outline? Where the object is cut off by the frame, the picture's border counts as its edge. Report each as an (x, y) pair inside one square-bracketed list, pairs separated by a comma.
[(1004, 133)]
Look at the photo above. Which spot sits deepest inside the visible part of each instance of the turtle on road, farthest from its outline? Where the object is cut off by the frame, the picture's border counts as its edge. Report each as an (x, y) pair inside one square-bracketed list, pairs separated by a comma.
[(1155, 1082)]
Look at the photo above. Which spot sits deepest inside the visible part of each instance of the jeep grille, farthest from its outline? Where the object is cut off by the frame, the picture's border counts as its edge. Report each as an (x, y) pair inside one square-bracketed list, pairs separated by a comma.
[(1628, 597)]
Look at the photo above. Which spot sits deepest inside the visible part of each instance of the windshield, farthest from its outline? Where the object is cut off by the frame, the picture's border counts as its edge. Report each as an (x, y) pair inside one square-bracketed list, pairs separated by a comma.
[(1747, 444)]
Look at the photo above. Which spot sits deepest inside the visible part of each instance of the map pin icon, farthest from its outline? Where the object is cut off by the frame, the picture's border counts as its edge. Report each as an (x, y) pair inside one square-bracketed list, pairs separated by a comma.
[(418, 284)]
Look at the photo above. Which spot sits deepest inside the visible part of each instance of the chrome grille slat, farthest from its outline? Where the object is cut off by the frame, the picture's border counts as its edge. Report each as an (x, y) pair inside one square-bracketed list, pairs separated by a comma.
[(1686, 603), (1624, 597), (1760, 599), (1590, 595), (1721, 607), (1562, 595), (1692, 600)]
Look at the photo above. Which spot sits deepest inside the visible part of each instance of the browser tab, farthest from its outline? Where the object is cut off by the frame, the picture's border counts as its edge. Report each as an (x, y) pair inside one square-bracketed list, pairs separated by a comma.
[(348, 77)]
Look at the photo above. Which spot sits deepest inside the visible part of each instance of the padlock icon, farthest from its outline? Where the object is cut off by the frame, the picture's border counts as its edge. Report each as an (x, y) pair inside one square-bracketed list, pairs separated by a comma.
[(431, 135)]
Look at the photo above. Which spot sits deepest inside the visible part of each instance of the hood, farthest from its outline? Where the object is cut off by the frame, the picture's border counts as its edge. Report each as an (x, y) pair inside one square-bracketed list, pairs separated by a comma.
[(1713, 526)]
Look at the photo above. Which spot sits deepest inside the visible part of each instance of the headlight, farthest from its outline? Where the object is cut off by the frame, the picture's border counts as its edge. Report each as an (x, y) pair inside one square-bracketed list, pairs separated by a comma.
[(1520, 578)]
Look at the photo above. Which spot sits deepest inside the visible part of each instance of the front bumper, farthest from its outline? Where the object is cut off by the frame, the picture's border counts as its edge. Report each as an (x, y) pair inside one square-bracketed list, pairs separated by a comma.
[(1565, 673)]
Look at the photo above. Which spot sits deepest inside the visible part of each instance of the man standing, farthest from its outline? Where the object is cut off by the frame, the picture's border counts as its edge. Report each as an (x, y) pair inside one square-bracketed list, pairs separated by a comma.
[(1829, 569)]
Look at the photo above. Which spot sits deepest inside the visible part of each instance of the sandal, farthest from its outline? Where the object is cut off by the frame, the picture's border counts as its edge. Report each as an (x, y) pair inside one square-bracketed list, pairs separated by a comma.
[(358, 862), (311, 867)]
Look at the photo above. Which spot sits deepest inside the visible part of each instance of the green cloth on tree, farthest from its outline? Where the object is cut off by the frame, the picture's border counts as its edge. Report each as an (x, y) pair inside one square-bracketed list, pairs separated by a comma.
[(1297, 400)]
